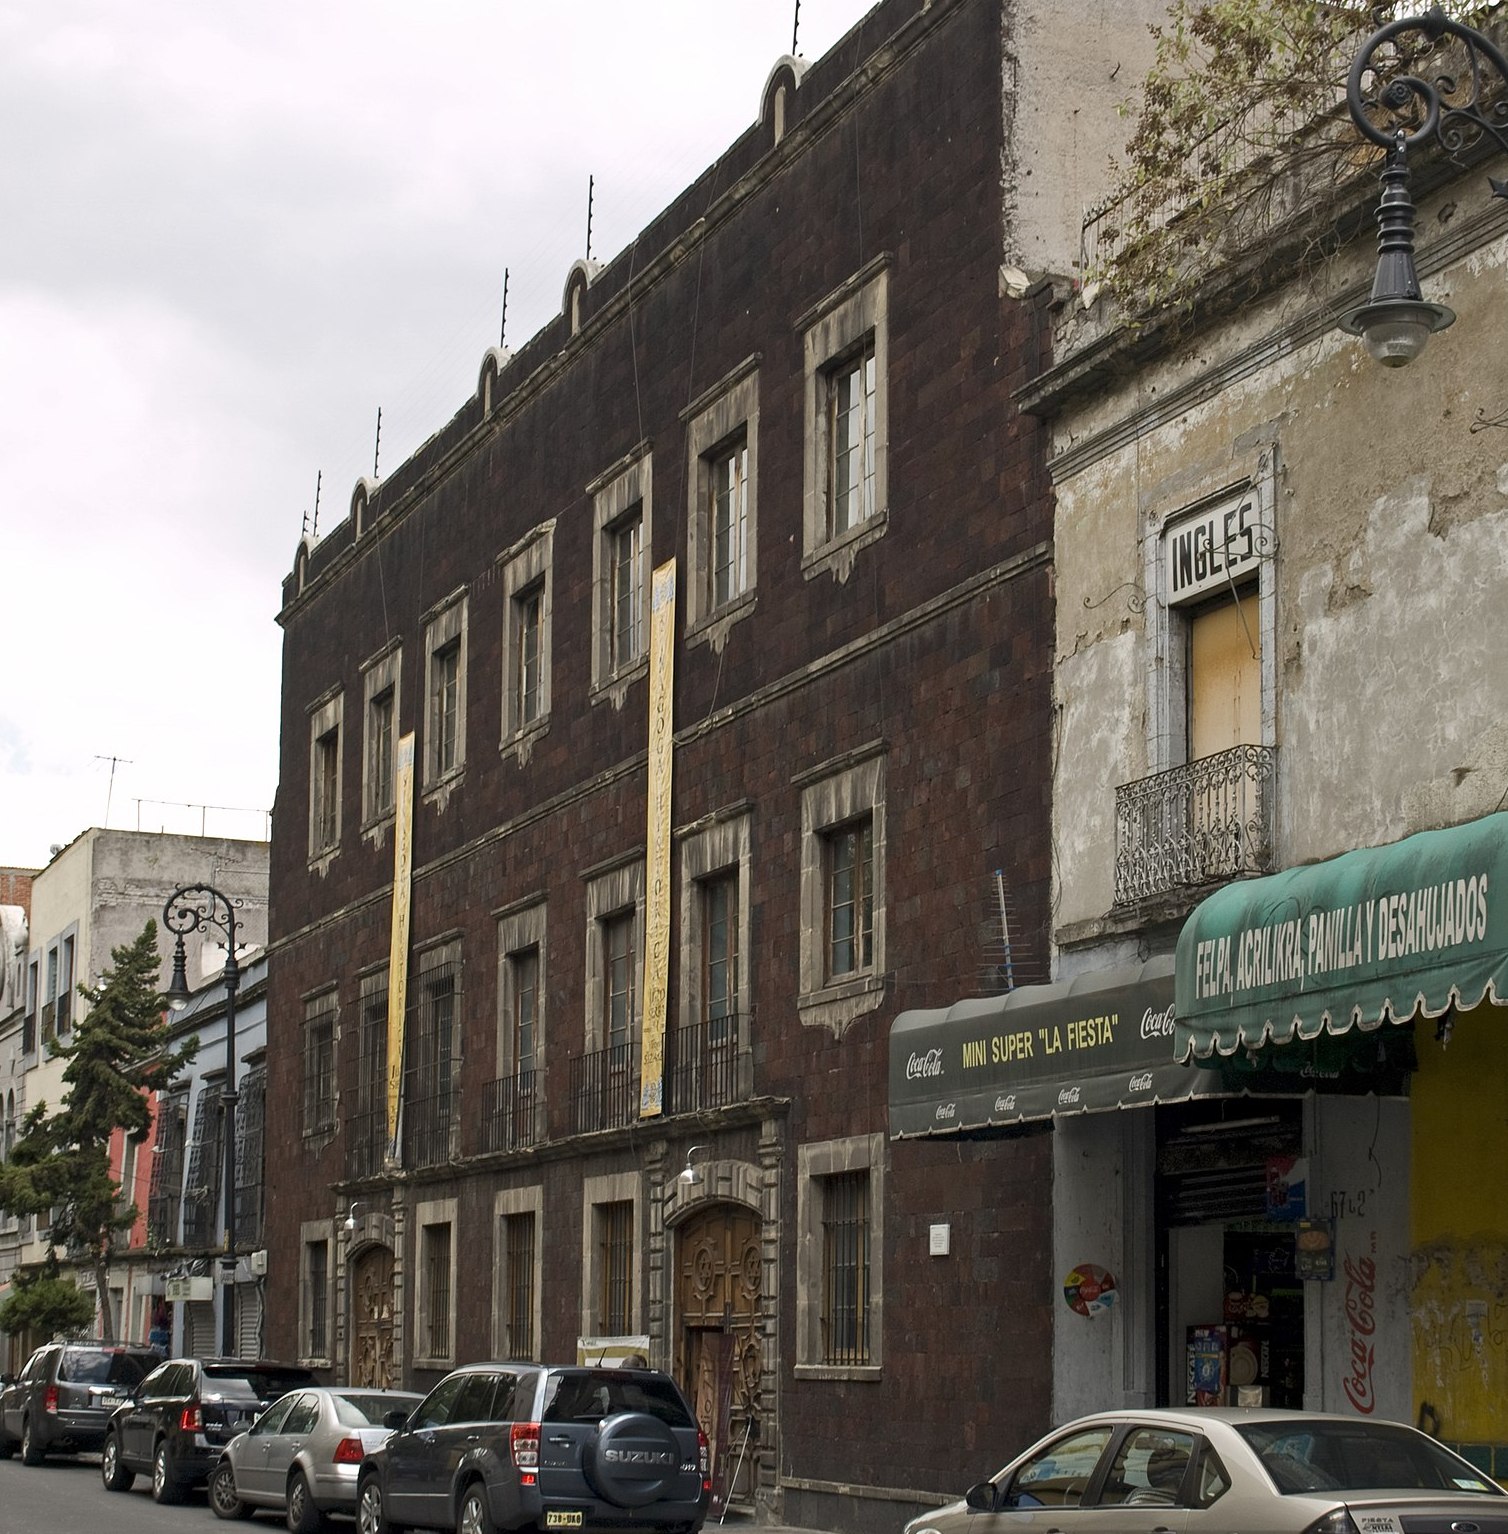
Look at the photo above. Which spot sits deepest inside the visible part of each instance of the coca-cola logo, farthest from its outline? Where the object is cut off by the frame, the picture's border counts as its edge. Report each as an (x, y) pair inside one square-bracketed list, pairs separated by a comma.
[(1006, 1104), (946, 1111), (1157, 1025), (1068, 1095), (1361, 1322), (1141, 1083), (918, 1067)]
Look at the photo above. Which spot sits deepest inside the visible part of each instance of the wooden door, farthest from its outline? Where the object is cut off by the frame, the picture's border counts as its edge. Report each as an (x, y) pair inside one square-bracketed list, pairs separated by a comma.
[(719, 1268), (372, 1319)]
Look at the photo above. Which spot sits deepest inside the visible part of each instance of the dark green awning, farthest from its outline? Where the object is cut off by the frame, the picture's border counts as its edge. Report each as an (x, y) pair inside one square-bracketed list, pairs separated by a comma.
[(1374, 936), (1103, 1040)]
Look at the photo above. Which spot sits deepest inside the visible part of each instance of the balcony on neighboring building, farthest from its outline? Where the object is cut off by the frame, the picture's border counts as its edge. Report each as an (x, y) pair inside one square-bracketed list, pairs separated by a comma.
[(707, 1067), (511, 1107), (1194, 825), (604, 1088)]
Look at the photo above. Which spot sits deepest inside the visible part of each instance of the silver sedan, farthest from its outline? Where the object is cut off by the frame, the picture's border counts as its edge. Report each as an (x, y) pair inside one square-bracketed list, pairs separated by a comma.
[(1211, 1471), (303, 1454)]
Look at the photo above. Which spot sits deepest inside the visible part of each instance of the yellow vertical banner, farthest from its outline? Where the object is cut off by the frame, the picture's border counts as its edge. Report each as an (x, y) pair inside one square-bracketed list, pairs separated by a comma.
[(657, 839), (397, 958)]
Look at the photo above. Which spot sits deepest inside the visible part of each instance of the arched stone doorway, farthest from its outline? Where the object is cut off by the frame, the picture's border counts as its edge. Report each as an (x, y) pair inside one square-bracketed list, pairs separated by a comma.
[(372, 1318), (719, 1270)]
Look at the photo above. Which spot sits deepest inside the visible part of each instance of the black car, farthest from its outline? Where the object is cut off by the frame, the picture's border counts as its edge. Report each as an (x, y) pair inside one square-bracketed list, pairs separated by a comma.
[(62, 1400), (512, 1446), (183, 1414)]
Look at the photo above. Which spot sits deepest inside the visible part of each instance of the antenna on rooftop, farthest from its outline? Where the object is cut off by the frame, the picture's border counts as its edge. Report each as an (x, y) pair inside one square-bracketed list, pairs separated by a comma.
[(377, 445), (795, 28), (590, 187), (502, 334), (319, 475), (114, 761)]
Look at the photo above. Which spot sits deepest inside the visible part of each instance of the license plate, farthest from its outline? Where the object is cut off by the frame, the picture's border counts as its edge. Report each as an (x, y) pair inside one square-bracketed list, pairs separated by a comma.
[(111, 1402), (558, 1520)]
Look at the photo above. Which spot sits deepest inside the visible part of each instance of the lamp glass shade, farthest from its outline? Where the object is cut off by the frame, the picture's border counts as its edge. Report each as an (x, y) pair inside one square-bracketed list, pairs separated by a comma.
[(177, 995), (1396, 330)]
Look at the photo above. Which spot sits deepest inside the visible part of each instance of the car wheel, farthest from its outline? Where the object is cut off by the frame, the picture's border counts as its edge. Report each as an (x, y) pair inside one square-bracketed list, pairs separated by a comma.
[(112, 1469), (32, 1453), (303, 1516), (475, 1519), (371, 1509), (165, 1487), (7, 1445), (223, 1501)]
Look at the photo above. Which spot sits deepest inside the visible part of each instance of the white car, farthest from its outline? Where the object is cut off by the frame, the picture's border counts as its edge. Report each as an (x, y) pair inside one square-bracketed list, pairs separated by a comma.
[(1218, 1470), (303, 1454)]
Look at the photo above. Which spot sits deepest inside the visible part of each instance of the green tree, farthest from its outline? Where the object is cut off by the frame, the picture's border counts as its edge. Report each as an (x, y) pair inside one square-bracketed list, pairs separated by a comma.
[(120, 1053), (46, 1304)]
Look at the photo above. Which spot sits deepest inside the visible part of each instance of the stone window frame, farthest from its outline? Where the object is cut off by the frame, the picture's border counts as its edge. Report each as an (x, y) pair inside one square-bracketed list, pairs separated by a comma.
[(513, 1201), (724, 412), (834, 794), (815, 1161), (519, 928), (427, 1216), (529, 562), (720, 844), (629, 483), (610, 893), (832, 330), (445, 624), (381, 675), (325, 1003), (611, 1188), (314, 1233), (1167, 677), (326, 718)]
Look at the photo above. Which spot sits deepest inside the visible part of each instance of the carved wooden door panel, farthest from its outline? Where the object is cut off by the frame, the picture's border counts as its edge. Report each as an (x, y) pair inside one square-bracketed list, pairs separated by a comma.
[(719, 1261), (372, 1319)]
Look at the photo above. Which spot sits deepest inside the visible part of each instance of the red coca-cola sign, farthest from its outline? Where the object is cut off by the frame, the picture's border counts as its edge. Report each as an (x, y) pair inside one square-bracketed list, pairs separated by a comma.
[(1361, 1324)]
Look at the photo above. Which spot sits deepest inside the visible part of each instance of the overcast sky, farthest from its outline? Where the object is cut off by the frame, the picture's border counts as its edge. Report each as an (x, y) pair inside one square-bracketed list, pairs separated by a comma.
[(228, 234)]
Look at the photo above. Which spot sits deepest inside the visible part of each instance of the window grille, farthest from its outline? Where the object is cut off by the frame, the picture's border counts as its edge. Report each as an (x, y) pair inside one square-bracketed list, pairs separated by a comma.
[(616, 1228), (845, 1268)]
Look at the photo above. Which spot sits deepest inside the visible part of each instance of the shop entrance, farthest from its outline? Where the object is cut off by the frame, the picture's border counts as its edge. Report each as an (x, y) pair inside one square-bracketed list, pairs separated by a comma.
[(718, 1276), (1230, 1304)]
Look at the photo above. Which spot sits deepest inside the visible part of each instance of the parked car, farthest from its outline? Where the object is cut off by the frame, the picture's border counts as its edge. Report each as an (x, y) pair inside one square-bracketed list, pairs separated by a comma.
[(1210, 1470), (302, 1455), (509, 1446), (183, 1414), (62, 1400)]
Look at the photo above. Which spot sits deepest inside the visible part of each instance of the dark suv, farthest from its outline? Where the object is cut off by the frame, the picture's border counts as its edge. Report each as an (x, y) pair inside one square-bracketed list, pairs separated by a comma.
[(183, 1414), (533, 1446), (62, 1400)]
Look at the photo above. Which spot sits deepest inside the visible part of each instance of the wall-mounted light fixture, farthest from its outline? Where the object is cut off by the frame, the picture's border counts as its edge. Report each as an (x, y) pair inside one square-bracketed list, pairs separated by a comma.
[(351, 1219), (1398, 111), (691, 1175)]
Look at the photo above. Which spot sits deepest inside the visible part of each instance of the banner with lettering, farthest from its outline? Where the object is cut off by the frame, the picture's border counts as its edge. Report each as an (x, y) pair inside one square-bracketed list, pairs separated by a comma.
[(1369, 937), (1104, 1040), (657, 838), (397, 963)]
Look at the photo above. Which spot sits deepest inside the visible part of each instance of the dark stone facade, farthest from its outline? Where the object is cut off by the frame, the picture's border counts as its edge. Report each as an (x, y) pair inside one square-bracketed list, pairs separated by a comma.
[(933, 649)]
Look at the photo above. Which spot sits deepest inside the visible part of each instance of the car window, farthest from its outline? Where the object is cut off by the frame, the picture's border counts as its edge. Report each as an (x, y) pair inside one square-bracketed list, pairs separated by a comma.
[(474, 1403), (271, 1420), (1213, 1482), (358, 1409), (241, 1382), (589, 1396), (1305, 1455), (1148, 1468), (36, 1365), (438, 1404), (101, 1366), (502, 1400), (1059, 1475), (303, 1414)]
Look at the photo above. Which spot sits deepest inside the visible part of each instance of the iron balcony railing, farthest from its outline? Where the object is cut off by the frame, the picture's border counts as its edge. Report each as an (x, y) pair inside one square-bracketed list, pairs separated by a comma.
[(511, 1110), (709, 1066), (604, 1088), (428, 1126), (366, 1141), (1194, 825)]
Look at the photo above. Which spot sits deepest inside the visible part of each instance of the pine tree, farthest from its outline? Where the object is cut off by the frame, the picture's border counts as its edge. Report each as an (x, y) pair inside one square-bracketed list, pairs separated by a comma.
[(120, 1054)]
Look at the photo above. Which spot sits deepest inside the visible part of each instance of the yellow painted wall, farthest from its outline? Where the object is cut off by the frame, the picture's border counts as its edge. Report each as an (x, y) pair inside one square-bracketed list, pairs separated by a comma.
[(1460, 1227)]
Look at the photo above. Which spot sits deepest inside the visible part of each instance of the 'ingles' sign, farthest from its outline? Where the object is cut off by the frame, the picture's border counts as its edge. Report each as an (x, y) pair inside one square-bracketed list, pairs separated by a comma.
[(1212, 549)]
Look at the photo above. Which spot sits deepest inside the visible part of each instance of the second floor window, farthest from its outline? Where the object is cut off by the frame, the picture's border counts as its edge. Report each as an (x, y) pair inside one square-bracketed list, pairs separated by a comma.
[(446, 707), (525, 998), (528, 626), (626, 543), (319, 1065), (850, 898), (729, 520), (720, 956), (851, 441), (618, 994)]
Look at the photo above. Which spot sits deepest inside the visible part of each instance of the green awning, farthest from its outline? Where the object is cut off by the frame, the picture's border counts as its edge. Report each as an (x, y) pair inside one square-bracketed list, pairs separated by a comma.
[(1375, 936)]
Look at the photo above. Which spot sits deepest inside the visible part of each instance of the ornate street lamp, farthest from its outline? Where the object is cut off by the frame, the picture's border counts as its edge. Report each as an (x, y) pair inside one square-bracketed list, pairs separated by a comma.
[(198, 908), (1396, 322)]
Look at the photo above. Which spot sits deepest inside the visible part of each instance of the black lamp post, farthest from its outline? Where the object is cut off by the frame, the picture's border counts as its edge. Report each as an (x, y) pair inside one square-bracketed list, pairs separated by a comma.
[(1398, 113), (198, 908)]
